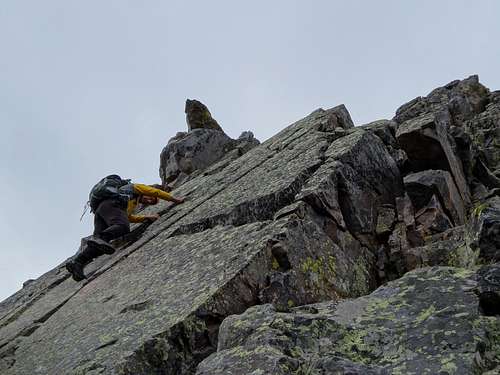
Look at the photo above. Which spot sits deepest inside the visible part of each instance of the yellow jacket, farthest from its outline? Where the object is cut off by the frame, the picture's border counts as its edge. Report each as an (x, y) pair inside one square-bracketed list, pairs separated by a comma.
[(141, 189)]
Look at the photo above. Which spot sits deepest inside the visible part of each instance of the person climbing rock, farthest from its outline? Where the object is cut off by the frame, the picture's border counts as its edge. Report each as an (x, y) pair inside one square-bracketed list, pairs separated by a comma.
[(113, 202)]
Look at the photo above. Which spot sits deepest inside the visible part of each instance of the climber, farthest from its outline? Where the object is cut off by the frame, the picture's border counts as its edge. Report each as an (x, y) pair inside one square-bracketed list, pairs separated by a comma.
[(113, 202)]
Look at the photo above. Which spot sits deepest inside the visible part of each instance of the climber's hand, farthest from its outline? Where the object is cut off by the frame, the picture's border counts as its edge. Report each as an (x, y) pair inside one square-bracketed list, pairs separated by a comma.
[(152, 218)]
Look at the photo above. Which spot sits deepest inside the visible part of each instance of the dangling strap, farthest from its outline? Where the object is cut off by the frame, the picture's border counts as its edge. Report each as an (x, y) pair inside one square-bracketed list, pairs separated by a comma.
[(85, 208)]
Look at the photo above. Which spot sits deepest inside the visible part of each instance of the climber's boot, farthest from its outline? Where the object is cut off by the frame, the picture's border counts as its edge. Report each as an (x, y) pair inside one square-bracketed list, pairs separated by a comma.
[(75, 268), (84, 256), (101, 244)]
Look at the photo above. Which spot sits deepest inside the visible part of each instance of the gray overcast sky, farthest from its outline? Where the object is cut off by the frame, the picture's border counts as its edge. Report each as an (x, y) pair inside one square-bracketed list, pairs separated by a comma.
[(93, 87)]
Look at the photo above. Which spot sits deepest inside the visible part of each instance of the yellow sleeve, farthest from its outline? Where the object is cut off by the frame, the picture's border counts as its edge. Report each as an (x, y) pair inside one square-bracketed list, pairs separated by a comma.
[(136, 218), (132, 204), (152, 192)]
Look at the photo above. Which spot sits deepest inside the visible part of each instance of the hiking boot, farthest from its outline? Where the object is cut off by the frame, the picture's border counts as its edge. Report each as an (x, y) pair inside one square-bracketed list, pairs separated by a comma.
[(84, 256), (76, 270), (100, 244)]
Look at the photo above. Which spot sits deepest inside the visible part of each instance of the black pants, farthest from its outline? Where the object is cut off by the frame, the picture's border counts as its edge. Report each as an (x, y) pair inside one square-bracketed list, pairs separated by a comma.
[(111, 220)]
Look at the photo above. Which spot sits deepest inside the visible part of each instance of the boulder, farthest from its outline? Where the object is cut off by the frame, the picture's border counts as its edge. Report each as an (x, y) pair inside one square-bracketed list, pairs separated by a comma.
[(188, 154), (386, 219), (405, 211), (386, 130), (427, 322), (246, 141), (421, 186), (403, 237)]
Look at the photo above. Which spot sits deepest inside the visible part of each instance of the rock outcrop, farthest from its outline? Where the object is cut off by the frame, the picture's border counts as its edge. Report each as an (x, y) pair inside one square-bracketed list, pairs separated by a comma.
[(188, 154), (430, 321), (199, 117), (326, 249)]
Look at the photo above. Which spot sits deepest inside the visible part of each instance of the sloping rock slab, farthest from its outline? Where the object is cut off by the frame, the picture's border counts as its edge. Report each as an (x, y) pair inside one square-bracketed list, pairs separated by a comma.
[(427, 322)]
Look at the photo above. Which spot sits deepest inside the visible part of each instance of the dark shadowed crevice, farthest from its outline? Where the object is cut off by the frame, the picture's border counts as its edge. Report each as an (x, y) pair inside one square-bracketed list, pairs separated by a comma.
[(176, 351), (28, 331), (423, 153), (136, 307), (489, 303), (209, 336), (345, 204), (421, 195), (281, 256), (46, 316), (483, 174), (105, 345)]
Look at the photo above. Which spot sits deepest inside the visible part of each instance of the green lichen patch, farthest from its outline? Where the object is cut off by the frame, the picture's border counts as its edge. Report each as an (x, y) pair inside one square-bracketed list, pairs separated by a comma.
[(478, 210), (425, 314), (321, 270)]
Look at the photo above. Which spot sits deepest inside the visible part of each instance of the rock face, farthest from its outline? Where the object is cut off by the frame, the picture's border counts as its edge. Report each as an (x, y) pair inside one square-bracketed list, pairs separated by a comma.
[(327, 249)]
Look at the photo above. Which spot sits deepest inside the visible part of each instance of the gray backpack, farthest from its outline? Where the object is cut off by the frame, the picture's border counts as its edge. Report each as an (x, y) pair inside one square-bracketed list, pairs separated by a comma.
[(111, 187)]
